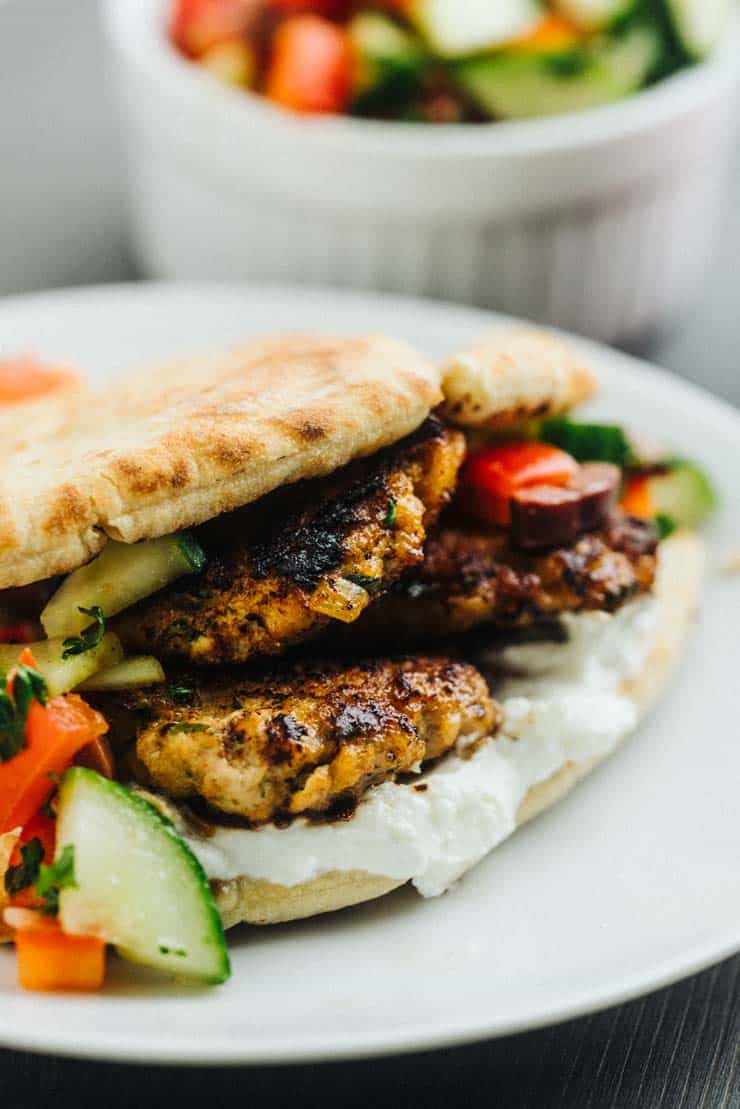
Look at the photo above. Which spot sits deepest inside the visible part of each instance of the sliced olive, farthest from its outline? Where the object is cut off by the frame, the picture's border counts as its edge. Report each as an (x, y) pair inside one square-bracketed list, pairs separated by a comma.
[(545, 516), (598, 485)]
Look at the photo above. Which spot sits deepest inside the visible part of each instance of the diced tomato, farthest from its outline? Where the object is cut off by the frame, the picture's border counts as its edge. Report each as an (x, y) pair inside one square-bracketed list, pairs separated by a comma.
[(491, 476), (15, 633), (54, 733), (197, 25), (336, 9), (49, 959), (636, 498), (25, 378), (311, 65)]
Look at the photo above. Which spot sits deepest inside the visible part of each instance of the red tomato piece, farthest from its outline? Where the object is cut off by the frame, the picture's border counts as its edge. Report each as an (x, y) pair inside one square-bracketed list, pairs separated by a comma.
[(334, 9), (197, 25), (311, 65), (491, 476)]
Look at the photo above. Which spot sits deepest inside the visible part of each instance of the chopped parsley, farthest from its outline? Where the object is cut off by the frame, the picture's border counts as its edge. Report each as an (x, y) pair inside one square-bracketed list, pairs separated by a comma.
[(179, 692), (91, 637), (27, 685), (370, 585), (23, 875), (181, 629), (52, 879), (665, 525), (191, 550), (390, 516), (184, 726)]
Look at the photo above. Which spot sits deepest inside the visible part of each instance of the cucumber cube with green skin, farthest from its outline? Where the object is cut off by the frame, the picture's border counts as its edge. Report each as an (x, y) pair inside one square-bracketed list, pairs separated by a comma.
[(389, 63), (685, 494), (121, 575), (137, 884), (64, 674), (698, 23), (132, 673), (454, 29), (593, 15), (521, 85)]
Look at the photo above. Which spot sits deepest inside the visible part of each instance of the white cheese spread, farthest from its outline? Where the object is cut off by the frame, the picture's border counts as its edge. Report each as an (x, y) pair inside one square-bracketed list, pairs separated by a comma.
[(561, 703)]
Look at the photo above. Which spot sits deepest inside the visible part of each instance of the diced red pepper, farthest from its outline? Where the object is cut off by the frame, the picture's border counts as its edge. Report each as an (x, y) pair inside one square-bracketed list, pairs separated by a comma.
[(491, 476)]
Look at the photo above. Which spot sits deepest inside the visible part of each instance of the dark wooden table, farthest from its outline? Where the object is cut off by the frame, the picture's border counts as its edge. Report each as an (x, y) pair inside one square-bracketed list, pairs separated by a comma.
[(677, 1049)]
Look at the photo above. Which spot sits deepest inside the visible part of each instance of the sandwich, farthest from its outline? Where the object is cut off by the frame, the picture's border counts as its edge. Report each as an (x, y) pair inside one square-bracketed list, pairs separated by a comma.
[(342, 619)]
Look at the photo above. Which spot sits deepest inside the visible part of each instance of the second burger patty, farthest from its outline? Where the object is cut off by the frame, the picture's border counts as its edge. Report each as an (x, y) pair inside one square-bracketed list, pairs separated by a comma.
[(474, 576), (299, 739), (311, 554)]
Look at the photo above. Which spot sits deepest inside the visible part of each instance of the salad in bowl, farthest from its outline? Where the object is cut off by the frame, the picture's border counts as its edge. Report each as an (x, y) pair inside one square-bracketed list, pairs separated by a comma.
[(438, 61)]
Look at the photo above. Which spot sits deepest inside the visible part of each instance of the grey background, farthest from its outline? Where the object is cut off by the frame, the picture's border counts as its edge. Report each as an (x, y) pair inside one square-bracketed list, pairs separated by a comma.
[(677, 1048)]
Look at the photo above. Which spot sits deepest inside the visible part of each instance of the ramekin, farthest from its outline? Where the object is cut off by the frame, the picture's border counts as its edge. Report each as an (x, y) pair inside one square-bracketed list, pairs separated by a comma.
[(601, 222)]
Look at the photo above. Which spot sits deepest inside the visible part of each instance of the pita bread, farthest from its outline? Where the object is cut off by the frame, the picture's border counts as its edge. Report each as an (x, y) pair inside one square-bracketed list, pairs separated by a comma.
[(175, 445), (677, 591), (512, 375)]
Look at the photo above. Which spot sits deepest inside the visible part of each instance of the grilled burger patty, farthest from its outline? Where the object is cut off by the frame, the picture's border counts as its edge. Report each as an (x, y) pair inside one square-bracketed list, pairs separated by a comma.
[(299, 739), (470, 577), (310, 554)]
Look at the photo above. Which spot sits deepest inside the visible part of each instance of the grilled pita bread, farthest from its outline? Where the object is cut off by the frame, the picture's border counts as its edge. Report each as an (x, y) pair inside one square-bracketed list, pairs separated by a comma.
[(677, 592), (176, 445), (512, 375)]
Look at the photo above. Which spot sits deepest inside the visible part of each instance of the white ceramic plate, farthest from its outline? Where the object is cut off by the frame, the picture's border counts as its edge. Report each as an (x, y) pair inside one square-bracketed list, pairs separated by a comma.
[(631, 883)]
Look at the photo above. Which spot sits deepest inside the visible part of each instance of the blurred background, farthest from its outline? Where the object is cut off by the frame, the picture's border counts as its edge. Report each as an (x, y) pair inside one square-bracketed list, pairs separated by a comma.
[(138, 143)]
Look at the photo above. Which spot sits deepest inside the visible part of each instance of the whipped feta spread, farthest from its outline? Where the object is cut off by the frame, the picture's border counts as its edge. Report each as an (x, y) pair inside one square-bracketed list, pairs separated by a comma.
[(561, 703)]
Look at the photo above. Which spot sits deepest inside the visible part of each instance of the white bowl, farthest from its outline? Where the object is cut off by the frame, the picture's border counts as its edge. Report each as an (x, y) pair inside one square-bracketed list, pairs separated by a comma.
[(600, 222)]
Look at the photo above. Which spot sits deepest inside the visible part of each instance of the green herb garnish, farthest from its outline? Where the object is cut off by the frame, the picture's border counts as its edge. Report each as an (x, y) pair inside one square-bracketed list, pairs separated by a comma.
[(181, 629), (665, 525), (23, 875), (184, 726), (191, 551), (27, 686), (91, 637), (179, 692), (52, 879), (370, 585), (390, 516), (589, 442)]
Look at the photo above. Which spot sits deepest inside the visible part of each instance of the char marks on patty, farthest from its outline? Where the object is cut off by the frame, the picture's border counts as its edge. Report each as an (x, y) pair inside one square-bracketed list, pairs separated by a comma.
[(306, 555), (472, 577), (308, 739)]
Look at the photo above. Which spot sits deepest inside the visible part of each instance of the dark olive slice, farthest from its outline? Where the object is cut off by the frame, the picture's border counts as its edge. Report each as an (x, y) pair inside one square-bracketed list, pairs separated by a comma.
[(598, 485), (545, 516)]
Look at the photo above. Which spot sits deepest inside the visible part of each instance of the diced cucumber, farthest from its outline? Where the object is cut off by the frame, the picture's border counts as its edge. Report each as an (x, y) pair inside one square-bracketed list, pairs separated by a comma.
[(685, 494), (518, 85), (138, 886), (454, 29), (64, 674), (593, 15), (121, 575), (389, 63), (698, 23), (132, 673)]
